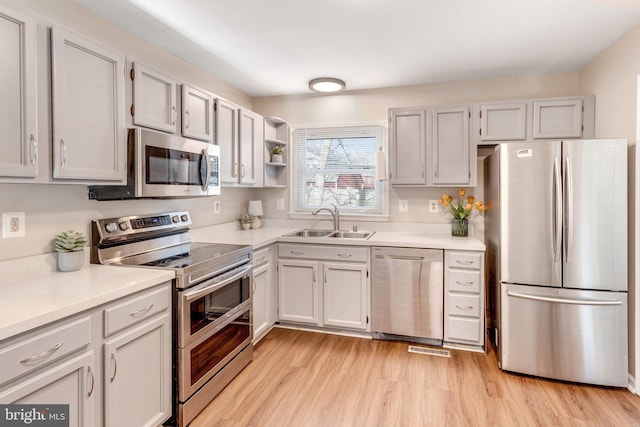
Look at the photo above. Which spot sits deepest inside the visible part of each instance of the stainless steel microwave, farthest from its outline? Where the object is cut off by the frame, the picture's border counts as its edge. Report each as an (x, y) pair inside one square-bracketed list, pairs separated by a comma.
[(161, 165)]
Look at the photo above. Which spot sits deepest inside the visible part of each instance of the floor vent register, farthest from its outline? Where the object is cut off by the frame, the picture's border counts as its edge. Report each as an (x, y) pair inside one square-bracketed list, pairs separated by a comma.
[(429, 351)]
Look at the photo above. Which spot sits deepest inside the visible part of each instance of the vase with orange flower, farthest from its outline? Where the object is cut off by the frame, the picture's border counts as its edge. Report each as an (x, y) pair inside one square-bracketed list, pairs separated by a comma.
[(460, 209)]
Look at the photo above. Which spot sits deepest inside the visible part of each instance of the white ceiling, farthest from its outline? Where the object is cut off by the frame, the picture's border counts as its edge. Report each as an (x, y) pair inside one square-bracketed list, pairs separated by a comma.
[(274, 47)]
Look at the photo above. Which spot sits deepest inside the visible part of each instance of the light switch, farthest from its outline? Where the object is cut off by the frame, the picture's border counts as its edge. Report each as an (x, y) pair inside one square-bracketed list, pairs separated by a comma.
[(280, 204), (404, 206)]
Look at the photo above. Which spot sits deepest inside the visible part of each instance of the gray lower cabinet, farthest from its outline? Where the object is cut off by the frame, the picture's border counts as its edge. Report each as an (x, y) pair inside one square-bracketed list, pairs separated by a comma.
[(264, 292), (464, 298), (324, 285), (60, 363)]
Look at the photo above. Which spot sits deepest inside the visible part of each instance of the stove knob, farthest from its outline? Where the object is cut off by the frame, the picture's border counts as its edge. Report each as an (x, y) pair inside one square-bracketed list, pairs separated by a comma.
[(184, 218), (111, 227), (175, 218), (123, 225)]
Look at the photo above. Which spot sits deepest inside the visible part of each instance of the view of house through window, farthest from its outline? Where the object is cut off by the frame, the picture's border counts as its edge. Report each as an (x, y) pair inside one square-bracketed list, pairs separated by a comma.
[(337, 165)]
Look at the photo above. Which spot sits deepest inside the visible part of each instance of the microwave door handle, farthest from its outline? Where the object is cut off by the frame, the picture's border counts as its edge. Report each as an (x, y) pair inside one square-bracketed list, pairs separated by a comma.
[(207, 164), (216, 283)]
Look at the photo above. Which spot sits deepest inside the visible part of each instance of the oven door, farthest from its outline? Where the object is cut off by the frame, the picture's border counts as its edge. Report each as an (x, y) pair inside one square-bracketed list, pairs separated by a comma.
[(202, 359), (206, 306), (171, 166)]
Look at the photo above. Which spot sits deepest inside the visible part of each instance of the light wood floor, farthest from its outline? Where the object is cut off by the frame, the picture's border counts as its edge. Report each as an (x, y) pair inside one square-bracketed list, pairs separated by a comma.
[(306, 379)]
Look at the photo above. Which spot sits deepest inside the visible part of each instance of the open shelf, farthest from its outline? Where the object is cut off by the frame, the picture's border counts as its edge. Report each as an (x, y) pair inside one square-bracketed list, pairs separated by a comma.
[(276, 132)]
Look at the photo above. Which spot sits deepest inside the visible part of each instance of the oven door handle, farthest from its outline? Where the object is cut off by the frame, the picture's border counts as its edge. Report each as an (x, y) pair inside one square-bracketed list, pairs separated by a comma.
[(215, 283)]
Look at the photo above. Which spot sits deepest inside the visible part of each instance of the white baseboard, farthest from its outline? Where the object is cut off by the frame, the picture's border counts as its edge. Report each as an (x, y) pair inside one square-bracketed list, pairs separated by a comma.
[(632, 385)]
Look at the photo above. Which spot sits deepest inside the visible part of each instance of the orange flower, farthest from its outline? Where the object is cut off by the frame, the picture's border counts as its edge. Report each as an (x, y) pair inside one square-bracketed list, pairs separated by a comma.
[(480, 206), (470, 199), (461, 192), (447, 198), (469, 206)]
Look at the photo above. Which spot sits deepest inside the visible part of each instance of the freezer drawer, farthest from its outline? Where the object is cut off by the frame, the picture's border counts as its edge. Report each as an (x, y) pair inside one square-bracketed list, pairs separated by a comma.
[(564, 334)]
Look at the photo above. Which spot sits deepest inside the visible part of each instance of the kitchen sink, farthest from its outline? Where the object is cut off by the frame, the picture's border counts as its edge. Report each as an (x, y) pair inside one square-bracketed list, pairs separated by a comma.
[(351, 234), (310, 233), (330, 233)]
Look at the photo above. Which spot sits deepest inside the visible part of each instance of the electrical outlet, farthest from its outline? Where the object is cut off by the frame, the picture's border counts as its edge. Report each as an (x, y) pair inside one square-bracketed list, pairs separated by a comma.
[(403, 206), (13, 224), (433, 206), (280, 204), (216, 207)]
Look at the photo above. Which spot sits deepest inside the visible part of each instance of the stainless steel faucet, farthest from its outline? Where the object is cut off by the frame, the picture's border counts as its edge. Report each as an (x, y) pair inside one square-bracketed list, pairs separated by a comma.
[(335, 213)]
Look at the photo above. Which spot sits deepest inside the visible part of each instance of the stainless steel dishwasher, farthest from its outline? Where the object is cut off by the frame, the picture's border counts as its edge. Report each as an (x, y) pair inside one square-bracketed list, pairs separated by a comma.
[(407, 294)]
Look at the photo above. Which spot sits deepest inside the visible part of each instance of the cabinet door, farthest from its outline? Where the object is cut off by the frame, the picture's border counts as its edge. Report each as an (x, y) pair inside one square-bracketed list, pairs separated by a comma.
[(70, 383), (298, 291), (18, 133), (450, 145), (137, 375), (197, 113), (227, 139), (251, 136), (345, 295), (503, 122), (88, 109), (261, 285), (407, 149), (557, 119), (154, 99)]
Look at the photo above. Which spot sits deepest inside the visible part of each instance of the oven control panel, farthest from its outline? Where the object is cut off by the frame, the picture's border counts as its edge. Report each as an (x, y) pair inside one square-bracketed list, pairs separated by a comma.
[(115, 227)]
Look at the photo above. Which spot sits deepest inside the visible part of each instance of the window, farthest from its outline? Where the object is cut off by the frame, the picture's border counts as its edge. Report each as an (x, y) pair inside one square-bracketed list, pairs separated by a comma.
[(338, 165)]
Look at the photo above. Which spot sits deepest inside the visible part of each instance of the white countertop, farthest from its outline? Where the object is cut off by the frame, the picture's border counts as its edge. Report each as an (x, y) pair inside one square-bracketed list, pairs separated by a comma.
[(34, 294), (229, 233)]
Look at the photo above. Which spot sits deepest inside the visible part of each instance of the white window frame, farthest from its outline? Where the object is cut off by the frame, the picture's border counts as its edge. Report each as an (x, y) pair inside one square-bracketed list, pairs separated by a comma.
[(296, 213)]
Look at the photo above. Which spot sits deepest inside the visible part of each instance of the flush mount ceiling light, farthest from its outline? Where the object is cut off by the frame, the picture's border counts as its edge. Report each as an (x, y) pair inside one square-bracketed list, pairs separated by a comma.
[(327, 84)]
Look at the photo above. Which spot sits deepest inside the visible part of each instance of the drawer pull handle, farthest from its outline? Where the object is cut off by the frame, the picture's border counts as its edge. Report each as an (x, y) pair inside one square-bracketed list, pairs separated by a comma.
[(115, 367), (464, 283), (464, 307), (344, 255), (464, 262), (42, 355), (93, 381), (297, 252), (141, 312), (261, 260)]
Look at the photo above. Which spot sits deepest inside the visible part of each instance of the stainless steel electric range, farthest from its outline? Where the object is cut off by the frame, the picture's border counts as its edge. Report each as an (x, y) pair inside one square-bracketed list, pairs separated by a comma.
[(212, 299)]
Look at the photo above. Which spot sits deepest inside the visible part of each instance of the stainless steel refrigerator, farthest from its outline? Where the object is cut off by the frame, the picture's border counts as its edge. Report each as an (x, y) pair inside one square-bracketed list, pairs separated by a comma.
[(556, 235)]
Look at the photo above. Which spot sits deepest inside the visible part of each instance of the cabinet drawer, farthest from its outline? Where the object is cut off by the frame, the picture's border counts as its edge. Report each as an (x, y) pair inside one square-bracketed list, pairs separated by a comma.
[(25, 355), (468, 260), (121, 315), (322, 252), (464, 305), (261, 256), (463, 281), (463, 329)]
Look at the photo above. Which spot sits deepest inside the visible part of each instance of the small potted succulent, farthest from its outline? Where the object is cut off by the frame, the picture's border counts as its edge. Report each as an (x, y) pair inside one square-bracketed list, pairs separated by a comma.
[(277, 154), (245, 220), (70, 247)]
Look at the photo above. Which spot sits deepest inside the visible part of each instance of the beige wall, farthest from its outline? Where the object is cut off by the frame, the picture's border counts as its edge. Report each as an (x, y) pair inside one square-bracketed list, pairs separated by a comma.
[(612, 77), (372, 106), (50, 209)]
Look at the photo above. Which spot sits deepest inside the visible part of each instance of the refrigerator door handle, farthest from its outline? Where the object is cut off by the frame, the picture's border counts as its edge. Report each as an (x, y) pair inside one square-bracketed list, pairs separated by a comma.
[(563, 300), (569, 212), (557, 247)]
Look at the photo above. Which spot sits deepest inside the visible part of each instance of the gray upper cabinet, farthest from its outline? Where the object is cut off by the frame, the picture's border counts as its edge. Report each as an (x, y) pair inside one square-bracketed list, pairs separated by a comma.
[(227, 139), (88, 109), (154, 99), (503, 121), (18, 108), (251, 139), (557, 118), (197, 113), (407, 135), (450, 146)]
